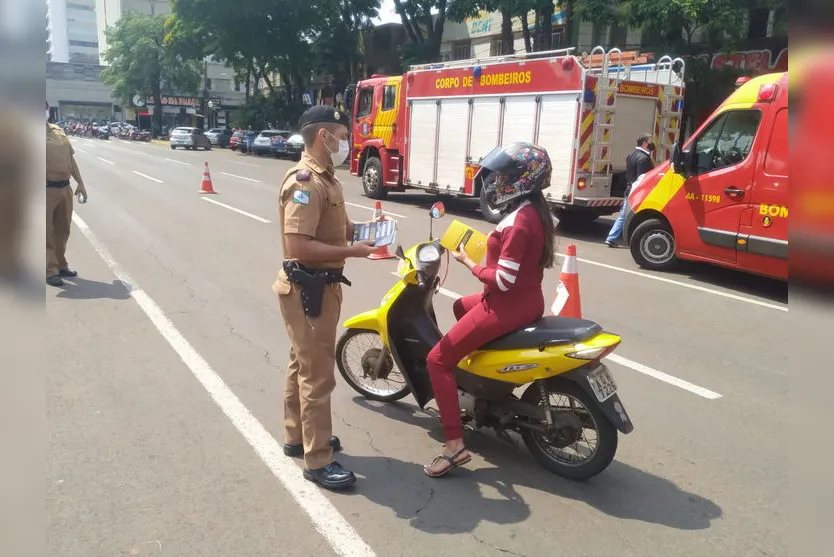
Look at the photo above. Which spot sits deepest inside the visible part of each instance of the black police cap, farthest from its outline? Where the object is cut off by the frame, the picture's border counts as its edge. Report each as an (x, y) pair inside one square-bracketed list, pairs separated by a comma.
[(321, 114)]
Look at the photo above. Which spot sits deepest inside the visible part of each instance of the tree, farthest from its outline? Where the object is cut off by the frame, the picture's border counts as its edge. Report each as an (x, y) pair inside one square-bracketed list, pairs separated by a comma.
[(423, 21), (459, 10), (141, 64)]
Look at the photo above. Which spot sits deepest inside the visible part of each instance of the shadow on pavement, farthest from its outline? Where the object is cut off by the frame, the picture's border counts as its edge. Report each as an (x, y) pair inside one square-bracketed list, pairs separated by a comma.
[(82, 289), (455, 504)]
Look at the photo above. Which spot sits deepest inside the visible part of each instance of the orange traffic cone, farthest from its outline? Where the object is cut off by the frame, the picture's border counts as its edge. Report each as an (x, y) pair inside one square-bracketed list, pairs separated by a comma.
[(205, 186), (567, 302), (382, 251)]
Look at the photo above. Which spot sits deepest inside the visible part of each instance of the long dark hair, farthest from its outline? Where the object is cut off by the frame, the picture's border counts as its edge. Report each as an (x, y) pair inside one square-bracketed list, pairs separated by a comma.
[(548, 258)]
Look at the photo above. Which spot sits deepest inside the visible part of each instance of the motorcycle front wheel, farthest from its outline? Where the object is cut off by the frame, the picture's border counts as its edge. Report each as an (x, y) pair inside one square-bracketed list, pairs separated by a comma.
[(574, 453), (357, 354)]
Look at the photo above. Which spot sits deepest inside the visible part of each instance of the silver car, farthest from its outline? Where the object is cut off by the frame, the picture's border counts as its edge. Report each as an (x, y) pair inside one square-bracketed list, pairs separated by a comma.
[(189, 138), (263, 144)]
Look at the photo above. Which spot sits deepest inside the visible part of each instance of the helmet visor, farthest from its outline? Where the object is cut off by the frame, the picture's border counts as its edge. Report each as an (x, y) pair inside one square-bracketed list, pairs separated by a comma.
[(503, 160)]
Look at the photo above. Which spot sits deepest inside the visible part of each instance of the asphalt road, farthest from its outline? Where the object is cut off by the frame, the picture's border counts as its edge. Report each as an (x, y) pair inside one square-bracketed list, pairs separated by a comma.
[(166, 414)]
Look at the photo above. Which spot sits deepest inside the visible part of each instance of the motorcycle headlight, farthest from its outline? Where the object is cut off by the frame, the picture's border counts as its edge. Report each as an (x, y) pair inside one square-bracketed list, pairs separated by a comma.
[(428, 254)]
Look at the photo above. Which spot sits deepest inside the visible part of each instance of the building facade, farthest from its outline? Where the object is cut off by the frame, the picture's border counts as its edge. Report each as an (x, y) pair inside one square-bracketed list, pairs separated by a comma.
[(72, 31)]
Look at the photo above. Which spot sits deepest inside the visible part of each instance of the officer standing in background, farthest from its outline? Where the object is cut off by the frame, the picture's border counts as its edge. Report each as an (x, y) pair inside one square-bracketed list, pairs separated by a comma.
[(637, 163), (315, 234), (60, 166)]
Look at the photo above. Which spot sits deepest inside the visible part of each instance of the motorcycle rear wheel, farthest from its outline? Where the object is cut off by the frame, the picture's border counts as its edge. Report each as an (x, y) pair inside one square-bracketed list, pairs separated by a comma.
[(367, 359), (538, 444)]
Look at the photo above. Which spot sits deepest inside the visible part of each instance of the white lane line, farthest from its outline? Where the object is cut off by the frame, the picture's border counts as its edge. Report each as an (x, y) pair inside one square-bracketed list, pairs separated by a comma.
[(80, 150), (241, 177), (246, 164), (178, 162), (148, 177), (683, 284), (635, 366), (105, 160), (335, 529), (371, 209), (236, 210), (665, 377)]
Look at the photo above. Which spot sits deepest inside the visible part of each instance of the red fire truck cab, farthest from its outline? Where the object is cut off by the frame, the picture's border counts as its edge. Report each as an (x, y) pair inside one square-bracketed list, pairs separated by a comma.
[(430, 128)]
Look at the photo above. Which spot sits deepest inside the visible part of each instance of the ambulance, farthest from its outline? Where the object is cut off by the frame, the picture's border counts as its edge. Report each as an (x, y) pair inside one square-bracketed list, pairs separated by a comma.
[(429, 129), (723, 196)]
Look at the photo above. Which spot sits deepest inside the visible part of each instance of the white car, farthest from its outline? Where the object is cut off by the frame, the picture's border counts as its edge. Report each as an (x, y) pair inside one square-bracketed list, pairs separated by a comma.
[(263, 144)]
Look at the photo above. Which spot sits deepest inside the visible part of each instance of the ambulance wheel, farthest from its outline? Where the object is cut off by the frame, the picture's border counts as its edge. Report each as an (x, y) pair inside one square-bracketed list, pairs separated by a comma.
[(490, 213), (653, 245), (372, 179)]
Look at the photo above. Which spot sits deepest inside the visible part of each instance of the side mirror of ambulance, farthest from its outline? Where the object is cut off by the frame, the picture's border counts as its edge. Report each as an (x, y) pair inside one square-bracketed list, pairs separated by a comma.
[(682, 160)]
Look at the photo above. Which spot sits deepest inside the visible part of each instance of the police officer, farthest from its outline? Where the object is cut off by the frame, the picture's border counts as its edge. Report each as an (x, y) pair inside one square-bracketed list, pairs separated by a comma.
[(60, 166), (315, 235)]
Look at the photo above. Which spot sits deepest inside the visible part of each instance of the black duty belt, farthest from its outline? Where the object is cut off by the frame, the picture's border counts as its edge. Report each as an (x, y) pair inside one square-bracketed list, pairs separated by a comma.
[(57, 183), (312, 283)]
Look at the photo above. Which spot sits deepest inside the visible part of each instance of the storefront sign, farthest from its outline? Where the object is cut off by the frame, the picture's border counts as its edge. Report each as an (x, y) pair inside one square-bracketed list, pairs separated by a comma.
[(179, 101)]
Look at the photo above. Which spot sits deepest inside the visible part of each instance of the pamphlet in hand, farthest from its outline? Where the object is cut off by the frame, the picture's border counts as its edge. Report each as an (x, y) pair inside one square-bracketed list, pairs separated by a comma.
[(381, 233)]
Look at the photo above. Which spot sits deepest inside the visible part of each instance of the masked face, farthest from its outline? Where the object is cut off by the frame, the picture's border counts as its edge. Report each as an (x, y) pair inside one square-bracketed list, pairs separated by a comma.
[(338, 148), (651, 147)]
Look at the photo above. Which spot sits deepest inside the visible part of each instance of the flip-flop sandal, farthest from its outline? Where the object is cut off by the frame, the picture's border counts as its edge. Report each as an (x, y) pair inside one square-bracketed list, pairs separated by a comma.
[(452, 463)]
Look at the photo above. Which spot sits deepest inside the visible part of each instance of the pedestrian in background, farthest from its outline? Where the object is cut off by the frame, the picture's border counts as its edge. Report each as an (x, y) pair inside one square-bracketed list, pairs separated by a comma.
[(637, 163), (315, 233), (60, 167)]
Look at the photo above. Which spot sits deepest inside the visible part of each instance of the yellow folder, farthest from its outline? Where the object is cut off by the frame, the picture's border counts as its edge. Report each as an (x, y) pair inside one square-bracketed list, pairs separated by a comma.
[(474, 242)]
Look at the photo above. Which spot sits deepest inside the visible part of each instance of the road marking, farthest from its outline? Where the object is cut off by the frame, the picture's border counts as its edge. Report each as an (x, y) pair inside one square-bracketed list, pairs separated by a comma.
[(683, 284), (80, 150), (246, 164), (636, 366), (236, 210), (335, 529), (178, 162), (105, 160), (148, 177), (241, 177), (371, 209)]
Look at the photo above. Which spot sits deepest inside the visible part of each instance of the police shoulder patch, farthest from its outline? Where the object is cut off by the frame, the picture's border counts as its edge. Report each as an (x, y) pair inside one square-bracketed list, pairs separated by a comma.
[(303, 175), (302, 197)]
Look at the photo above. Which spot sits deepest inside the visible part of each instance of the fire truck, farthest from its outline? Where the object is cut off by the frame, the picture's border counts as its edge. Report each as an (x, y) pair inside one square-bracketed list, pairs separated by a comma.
[(429, 128)]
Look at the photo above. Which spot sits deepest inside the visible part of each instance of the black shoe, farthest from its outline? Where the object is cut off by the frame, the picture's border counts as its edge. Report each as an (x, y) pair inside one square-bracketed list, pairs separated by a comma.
[(54, 280), (67, 273), (610, 244), (332, 476), (298, 450)]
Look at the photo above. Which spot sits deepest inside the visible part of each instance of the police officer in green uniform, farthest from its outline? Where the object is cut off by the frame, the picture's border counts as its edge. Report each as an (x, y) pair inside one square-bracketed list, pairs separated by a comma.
[(315, 232)]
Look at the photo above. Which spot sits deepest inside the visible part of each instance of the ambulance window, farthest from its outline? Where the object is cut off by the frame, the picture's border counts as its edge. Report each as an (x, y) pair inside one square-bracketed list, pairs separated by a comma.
[(389, 97), (728, 140), (366, 102)]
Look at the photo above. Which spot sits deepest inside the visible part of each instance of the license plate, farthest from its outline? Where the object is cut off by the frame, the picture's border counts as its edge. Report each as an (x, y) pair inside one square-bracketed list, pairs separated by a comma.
[(602, 383)]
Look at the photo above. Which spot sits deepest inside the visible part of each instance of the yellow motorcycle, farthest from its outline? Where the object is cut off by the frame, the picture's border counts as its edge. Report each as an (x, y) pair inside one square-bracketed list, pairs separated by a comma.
[(568, 414)]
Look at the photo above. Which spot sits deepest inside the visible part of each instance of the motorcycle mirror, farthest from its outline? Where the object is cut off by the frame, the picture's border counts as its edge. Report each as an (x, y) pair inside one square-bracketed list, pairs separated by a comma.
[(399, 252), (437, 210)]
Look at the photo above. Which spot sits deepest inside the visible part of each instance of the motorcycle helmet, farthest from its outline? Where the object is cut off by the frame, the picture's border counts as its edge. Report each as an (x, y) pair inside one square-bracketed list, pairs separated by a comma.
[(516, 171)]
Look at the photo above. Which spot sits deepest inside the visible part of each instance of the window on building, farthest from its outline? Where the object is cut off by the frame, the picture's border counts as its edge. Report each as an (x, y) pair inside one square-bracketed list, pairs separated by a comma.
[(757, 23), (389, 97), (461, 51), (495, 48), (237, 85), (208, 83), (557, 39)]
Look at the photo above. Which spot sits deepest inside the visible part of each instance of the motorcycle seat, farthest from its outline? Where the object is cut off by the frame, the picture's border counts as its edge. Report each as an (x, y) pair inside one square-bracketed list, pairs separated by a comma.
[(549, 330)]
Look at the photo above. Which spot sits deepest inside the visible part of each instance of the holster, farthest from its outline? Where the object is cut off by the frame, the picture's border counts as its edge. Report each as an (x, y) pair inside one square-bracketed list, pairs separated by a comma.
[(312, 283)]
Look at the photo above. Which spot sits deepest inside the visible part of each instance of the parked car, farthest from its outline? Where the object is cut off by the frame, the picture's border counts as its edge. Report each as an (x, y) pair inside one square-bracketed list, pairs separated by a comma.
[(269, 141), (295, 146), (244, 141), (219, 136), (189, 138)]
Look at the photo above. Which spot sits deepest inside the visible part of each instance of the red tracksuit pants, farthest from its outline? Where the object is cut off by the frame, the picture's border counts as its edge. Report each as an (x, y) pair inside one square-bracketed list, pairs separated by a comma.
[(479, 320)]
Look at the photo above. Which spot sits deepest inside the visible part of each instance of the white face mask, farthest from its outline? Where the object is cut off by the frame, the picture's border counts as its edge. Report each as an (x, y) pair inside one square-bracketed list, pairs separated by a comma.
[(341, 154)]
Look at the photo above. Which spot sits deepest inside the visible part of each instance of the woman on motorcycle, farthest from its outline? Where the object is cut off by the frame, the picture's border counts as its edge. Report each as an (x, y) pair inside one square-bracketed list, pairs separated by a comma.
[(518, 251)]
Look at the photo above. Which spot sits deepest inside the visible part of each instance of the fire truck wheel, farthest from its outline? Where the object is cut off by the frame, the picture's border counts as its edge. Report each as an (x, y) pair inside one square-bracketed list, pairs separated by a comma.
[(653, 245), (372, 179), (490, 213)]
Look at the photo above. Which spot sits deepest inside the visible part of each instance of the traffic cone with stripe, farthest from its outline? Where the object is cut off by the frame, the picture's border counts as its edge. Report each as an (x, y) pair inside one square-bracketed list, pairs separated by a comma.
[(382, 251), (206, 186), (567, 302)]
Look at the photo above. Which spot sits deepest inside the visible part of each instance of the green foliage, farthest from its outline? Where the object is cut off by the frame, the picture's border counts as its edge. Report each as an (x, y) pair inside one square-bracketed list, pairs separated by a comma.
[(423, 21), (140, 62)]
